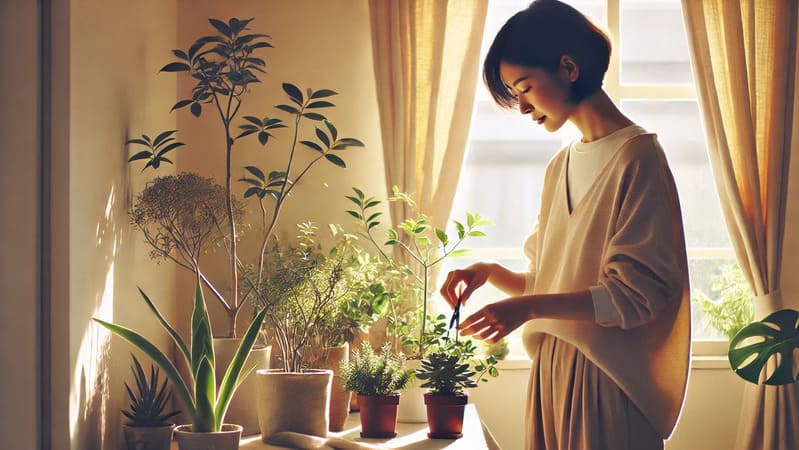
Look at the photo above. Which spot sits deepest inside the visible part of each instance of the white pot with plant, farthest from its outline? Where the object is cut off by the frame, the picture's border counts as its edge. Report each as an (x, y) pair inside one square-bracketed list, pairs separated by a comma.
[(206, 402), (148, 426), (426, 247), (224, 67)]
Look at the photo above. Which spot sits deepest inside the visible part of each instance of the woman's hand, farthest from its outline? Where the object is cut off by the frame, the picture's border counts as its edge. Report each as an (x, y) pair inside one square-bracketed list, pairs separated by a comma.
[(496, 320), (462, 282)]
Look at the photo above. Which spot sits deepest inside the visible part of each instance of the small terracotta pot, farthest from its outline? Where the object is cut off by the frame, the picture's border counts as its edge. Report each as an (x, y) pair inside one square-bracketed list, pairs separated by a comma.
[(378, 415), (445, 415), (148, 438), (226, 439)]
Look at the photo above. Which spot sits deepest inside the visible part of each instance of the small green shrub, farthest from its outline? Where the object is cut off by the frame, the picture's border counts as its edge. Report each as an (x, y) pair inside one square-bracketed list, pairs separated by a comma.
[(370, 373), (734, 308), (148, 403)]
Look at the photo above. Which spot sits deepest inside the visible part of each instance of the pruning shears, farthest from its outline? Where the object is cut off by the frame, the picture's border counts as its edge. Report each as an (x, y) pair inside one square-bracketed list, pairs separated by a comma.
[(455, 320)]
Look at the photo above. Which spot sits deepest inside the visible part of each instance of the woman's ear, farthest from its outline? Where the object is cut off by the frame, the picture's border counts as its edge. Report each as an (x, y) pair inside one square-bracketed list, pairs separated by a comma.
[(569, 68)]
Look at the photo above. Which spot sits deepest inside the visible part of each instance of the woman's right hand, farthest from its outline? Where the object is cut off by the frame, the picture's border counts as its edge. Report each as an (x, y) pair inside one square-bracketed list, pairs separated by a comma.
[(462, 282)]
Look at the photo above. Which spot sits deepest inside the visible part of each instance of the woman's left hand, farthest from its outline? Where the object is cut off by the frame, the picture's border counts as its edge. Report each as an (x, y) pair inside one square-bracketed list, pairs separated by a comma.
[(496, 320)]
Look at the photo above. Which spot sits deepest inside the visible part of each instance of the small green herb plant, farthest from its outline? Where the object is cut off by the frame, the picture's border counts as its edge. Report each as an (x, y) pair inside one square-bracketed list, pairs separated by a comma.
[(425, 245), (148, 402), (371, 373)]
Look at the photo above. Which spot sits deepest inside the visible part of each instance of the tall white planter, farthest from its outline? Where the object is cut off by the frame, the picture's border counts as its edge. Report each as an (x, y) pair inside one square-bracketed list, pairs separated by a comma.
[(411, 406), (293, 401)]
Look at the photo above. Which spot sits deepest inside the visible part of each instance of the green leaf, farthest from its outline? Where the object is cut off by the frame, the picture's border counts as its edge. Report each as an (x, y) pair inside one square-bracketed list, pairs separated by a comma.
[(222, 27), (323, 93), (323, 137), (335, 160), (201, 337), (293, 92), (313, 145), (476, 233), (196, 109), (254, 120), (144, 154), (442, 236), (180, 104), (231, 380), (459, 252), (263, 137), (171, 331), (175, 67), (778, 334), (354, 214), (288, 109), (320, 104), (170, 147), (332, 129), (205, 396), (139, 142), (313, 116), (256, 172)]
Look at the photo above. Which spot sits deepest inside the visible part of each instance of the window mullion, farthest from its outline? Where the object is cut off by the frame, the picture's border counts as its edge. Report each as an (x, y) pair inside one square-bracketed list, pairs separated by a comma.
[(613, 76)]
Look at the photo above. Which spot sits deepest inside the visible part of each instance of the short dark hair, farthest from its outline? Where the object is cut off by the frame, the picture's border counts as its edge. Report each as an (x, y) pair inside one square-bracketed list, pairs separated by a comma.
[(538, 37)]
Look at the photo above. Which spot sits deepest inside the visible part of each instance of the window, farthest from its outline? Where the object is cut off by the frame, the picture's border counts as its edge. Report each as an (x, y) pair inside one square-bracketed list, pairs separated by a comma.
[(650, 79)]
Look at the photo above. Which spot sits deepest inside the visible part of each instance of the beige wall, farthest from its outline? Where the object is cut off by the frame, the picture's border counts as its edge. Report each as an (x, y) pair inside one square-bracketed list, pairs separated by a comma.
[(116, 50), (317, 45), (19, 183)]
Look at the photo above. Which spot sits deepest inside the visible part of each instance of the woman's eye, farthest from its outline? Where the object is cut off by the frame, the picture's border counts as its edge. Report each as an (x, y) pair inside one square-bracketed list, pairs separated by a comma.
[(525, 90)]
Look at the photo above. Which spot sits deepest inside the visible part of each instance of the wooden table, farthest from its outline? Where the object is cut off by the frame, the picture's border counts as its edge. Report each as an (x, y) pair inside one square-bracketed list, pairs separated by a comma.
[(410, 436)]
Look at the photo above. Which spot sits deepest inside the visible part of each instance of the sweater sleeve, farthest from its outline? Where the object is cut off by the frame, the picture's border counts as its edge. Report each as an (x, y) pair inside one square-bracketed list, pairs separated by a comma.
[(531, 252), (641, 271)]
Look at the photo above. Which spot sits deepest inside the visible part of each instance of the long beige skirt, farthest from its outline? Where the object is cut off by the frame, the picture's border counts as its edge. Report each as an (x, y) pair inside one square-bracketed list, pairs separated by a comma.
[(572, 405)]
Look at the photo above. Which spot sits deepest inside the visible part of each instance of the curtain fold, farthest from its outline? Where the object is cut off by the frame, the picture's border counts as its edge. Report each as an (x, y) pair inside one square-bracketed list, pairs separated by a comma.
[(744, 61), (426, 55)]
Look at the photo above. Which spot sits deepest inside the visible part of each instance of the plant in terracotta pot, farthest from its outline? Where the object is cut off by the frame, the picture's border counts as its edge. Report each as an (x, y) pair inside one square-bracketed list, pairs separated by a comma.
[(424, 247), (148, 427), (377, 378), (224, 67), (205, 400), (446, 372)]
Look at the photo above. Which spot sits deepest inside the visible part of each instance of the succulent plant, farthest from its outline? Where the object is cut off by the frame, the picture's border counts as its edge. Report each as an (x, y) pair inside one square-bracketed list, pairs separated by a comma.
[(148, 403)]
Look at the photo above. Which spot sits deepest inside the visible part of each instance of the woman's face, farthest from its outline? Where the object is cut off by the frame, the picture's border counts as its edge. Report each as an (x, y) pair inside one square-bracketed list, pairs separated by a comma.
[(542, 94)]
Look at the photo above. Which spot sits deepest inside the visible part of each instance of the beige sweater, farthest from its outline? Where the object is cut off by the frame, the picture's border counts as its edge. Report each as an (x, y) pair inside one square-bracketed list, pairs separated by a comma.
[(625, 235)]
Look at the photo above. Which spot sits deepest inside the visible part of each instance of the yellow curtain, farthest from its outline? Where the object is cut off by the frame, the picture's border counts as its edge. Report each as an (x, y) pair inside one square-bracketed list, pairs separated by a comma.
[(744, 56), (426, 56)]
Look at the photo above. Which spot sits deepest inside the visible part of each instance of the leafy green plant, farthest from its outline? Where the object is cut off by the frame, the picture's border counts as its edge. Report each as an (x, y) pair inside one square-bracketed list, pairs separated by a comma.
[(734, 308), (305, 282), (224, 67), (148, 403), (206, 403), (370, 373), (453, 365), (425, 245), (775, 337)]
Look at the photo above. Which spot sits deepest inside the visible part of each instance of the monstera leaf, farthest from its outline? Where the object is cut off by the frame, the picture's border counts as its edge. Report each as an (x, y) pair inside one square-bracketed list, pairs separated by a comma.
[(776, 334)]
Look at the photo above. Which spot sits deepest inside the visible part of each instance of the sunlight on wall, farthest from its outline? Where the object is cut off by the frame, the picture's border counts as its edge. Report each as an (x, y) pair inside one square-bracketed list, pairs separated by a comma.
[(89, 394)]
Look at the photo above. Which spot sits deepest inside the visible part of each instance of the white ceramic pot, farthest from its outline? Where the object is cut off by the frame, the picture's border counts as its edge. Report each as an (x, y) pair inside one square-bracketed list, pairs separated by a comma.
[(411, 407), (293, 401), (226, 439)]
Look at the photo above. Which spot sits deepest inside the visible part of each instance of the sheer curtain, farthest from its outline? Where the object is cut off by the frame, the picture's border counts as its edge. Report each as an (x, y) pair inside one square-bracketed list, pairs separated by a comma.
[(744, 57), (426, 56)]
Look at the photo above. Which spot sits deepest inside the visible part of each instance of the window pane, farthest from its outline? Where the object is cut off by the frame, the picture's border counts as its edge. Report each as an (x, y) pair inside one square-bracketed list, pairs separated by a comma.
[(679, 129), (652, 43)]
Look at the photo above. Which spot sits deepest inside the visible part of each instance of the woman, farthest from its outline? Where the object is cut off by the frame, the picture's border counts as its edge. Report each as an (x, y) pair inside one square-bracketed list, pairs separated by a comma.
[(604, 303)]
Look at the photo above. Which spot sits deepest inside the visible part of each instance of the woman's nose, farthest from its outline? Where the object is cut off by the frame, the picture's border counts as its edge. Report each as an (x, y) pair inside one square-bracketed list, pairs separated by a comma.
[(525, 108)]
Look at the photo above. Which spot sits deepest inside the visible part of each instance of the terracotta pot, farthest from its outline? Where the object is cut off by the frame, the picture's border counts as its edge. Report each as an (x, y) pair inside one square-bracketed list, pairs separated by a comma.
[(378, 415), (148, 438), (445, 415), (330, 358), (226, 439), (293, 401), (412, 409)]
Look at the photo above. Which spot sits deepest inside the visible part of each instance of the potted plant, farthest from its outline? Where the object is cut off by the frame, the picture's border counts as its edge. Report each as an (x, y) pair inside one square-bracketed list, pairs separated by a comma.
[(378, 380), (445, 373), (426, 247), (148, 427), (224, 67), (205, 401), (304, 281), (734, 308)]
